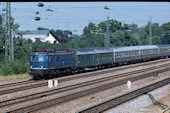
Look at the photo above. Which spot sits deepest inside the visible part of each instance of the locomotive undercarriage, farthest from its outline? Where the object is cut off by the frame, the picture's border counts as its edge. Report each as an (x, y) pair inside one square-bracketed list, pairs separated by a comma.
[(51, 73)]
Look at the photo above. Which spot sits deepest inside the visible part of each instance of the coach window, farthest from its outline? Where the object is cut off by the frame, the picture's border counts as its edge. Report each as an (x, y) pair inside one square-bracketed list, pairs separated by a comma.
[(79, 58)]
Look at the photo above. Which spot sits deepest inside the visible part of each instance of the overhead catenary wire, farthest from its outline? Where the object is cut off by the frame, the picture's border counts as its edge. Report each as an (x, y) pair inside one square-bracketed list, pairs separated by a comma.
[(59, 15)]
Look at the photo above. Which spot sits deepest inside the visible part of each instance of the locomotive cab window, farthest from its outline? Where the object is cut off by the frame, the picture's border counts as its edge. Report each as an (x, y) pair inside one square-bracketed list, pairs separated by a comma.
[(32, 58), (40, 59)]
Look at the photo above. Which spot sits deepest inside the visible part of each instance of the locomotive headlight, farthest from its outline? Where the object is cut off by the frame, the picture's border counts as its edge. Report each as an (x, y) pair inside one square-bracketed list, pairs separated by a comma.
[(30, 66), (42, 67)]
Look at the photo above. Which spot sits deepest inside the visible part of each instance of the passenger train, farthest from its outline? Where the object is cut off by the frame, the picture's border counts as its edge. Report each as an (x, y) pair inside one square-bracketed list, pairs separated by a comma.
[(57, 62)]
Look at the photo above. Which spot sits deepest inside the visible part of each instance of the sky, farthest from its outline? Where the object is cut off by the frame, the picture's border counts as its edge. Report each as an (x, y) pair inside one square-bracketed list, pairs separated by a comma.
[(74, 16)]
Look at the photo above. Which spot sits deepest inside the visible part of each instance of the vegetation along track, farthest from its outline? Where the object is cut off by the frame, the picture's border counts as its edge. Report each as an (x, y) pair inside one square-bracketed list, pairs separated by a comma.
[(59, 100), (12, 90), (124, 98)]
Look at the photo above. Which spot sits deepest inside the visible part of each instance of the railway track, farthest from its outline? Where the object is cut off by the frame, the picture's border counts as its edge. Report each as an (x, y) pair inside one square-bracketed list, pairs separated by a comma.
[(76, 95), (71, 87), (16, 83), (124, 98), (60, 80)]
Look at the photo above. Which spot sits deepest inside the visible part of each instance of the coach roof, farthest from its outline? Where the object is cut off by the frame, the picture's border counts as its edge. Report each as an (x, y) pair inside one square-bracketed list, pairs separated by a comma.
[(93, 50)]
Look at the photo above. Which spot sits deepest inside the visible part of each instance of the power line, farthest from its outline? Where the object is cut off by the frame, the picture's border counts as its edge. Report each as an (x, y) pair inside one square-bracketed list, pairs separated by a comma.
[(142, 9)]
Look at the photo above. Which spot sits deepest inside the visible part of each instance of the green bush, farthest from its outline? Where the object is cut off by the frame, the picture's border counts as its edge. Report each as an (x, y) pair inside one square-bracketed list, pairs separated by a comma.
[(7, 70), (25, 67), (20, 67)]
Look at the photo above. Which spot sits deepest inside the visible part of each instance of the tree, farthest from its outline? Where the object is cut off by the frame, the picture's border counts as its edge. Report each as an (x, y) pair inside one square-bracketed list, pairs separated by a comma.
[(165, 36), (166, 27), (89, 30), (63, 36), (42, 28)]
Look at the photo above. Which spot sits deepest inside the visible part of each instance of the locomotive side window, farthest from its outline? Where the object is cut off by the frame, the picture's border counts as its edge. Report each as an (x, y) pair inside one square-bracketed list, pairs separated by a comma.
[(55, 58), (50, 59)]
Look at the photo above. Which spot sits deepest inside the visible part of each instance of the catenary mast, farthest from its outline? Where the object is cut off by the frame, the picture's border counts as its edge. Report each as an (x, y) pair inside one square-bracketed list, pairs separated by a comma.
[(9, 49)]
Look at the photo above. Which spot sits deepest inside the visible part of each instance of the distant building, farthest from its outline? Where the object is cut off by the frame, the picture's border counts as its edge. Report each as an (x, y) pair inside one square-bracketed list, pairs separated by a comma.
[(42, 35)]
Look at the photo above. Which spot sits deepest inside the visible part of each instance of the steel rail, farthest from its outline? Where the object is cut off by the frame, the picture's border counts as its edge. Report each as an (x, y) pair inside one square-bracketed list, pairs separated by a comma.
[(104, 106), (66, 98), (16, 83)]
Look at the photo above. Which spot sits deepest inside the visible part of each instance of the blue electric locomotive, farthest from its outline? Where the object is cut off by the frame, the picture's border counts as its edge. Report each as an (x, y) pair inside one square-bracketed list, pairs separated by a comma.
[(47, 63)]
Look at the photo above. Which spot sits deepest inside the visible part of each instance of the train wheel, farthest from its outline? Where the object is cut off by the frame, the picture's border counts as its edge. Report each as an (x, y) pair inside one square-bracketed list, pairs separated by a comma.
[(36, 77)]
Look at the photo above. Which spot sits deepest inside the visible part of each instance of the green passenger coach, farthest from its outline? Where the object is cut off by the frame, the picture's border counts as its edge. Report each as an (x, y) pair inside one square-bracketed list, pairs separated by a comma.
[(93, 57)]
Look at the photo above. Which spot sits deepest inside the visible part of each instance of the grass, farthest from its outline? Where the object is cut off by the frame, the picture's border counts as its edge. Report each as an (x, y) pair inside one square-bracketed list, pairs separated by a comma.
[(14, 77)]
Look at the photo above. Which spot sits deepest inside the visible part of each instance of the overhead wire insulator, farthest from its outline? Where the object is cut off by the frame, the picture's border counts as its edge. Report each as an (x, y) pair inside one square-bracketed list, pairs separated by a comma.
[(37, 18), (40, 4), (49, 10), (106, 8)]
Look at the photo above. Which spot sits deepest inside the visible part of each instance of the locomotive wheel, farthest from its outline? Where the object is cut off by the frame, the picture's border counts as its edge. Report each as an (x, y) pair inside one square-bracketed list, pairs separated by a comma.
[(35, 77)]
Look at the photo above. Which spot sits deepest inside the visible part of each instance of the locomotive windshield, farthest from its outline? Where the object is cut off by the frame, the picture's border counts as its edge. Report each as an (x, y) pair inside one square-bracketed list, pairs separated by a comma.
[(39, 58)]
